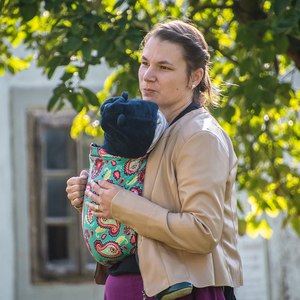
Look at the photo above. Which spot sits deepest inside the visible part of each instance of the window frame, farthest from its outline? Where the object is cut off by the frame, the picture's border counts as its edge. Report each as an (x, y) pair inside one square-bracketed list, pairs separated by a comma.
[(79, 266)]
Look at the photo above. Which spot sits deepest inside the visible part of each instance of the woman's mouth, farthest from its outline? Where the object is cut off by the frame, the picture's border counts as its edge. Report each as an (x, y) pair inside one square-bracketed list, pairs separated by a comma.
[(148, 92)]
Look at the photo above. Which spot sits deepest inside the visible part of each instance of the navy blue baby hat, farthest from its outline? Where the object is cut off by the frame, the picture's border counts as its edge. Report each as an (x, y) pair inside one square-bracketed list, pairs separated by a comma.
[(129, 125)]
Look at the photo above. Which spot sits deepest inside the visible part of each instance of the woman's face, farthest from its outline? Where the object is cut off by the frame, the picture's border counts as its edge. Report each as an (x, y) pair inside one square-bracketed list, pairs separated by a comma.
[(163, 78)]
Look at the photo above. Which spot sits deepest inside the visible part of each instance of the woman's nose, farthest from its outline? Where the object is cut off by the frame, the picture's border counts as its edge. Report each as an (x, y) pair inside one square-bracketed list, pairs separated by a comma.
[(149, 74)]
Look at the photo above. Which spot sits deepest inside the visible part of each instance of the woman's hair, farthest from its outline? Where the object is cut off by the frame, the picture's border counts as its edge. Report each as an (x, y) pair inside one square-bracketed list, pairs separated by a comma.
[(194, 50)]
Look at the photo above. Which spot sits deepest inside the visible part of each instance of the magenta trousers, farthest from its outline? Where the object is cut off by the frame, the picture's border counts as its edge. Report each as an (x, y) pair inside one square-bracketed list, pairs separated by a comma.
[(130, 287)]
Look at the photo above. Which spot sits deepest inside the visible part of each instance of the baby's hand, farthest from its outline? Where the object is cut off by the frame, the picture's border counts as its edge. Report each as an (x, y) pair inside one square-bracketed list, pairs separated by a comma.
[(75, 189)]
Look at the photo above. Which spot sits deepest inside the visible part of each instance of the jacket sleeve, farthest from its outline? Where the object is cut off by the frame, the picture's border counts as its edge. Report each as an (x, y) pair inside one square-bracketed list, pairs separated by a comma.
[(202, 168)]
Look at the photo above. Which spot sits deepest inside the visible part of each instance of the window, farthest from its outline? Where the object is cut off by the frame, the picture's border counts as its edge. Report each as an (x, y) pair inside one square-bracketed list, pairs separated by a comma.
[(57, 245)]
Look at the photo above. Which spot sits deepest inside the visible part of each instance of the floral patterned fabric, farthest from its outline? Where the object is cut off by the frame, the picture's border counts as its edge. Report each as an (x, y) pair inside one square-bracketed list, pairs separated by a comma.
[(108, 240)]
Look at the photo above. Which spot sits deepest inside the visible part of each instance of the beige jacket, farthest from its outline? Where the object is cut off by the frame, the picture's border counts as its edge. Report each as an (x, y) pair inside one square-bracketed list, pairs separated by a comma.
[(187, 218)]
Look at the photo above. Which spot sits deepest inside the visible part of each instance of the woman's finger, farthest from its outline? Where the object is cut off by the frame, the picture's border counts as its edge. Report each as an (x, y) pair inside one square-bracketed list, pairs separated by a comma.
[(95, 209), (77, 202), (93, 206), (94, 197), (84, 174), (76, 195), (105, 184), (75, 191)]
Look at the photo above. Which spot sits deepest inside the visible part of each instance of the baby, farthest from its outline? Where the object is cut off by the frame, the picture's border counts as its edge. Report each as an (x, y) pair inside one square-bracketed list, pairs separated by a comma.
[(131, 128)]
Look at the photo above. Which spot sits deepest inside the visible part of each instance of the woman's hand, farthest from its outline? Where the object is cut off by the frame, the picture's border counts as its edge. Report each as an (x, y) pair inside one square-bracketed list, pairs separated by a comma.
[(75, 189), (105, 192)]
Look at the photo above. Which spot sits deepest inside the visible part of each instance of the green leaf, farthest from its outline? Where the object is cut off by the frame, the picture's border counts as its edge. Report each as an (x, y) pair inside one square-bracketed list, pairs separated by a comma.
[(60, 89), (246, 65), (267, 97), (73, 44), (52, 65), (118, 4), (252, 93), (28, 11), (246, 36), (242, 225), (76, 101), (280, 5), (283, 168), (255, 124), (92, 98), (82, 71), (95, 61), (80, 9), (295, 224), (53, 100), (267, 55), (27, 1), (103, 48), (57, 6), (48, 5), (86, 49), (76, 27), (291, 18), (281, 43), (11, 69), (268, 36), (90, 19), (269, 82), (229, 112), (66, 76), (61, 104)]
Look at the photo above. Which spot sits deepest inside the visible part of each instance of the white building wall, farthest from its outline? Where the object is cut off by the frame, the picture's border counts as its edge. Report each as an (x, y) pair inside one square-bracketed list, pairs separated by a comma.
[(284, 257), (7, 238)]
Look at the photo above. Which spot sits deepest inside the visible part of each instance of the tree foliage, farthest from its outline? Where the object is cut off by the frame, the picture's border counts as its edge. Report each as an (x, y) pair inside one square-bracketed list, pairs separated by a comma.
[(255, 50)]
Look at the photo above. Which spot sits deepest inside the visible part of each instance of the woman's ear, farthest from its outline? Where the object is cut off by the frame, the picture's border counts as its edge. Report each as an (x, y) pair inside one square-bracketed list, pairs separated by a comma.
[(197, 76)]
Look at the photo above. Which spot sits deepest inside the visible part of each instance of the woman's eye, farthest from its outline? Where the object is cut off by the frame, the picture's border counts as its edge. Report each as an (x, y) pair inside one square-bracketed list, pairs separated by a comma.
[(164, 68), (144, 63)]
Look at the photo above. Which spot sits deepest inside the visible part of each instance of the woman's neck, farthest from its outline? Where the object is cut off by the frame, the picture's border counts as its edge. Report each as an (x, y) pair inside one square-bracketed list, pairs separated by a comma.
[(171, 113)]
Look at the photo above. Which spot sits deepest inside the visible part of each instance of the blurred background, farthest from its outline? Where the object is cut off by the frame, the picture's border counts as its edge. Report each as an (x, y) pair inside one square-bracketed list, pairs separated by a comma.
[(59, 60)]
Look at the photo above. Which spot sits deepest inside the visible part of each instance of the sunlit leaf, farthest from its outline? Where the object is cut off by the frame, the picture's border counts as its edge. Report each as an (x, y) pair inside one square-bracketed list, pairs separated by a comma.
[(265, 230), (252, 229), (225, 40), (80, 122), (17, 64)]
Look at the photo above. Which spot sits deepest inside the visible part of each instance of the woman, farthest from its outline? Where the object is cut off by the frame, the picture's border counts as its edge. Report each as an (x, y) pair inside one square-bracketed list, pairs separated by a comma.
[(187, 219)]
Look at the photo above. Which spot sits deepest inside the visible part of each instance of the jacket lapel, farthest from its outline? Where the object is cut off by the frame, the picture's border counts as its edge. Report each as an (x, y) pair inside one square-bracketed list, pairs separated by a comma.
[(153, 163)]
